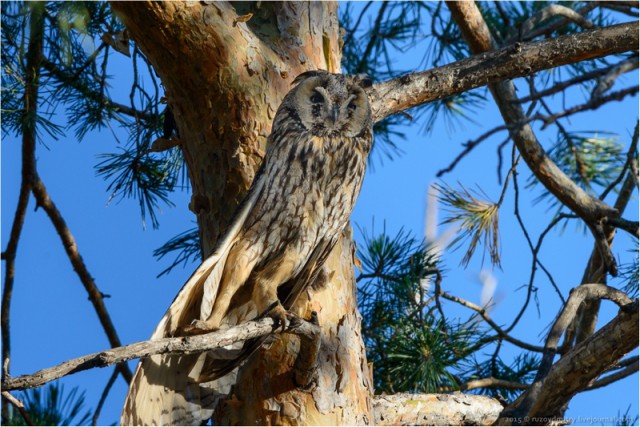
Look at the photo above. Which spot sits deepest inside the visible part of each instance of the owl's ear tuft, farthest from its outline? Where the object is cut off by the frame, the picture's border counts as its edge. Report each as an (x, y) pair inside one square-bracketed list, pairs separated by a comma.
[(363, 80), (308, 74)]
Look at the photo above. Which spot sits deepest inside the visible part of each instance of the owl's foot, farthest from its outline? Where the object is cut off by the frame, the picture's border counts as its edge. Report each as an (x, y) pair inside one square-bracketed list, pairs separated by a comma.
[(281, 316), (197, 327)]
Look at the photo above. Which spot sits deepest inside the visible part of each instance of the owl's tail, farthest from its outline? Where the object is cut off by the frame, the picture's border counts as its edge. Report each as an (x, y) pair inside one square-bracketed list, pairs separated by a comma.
[(164, 389)]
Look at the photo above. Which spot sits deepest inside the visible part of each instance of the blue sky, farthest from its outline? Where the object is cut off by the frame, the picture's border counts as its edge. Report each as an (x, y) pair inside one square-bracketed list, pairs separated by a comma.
[(50, 307)]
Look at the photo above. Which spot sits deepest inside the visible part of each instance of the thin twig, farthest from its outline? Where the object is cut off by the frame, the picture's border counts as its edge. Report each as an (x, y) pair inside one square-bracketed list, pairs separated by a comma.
[(468, 147), (19, 406), (559, 87), (609, 379), (552, 11), (606, 81), (74, 83), (590, 105), (631, 158), (483, 313), (103, 397)]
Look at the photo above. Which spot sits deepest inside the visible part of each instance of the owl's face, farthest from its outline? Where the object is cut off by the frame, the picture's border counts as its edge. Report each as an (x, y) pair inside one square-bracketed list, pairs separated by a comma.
[(332, 105)]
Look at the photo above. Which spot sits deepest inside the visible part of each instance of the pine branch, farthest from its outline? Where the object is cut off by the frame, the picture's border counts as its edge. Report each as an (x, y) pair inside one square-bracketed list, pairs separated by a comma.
[(523, 59), (72, 81), (142, 349)]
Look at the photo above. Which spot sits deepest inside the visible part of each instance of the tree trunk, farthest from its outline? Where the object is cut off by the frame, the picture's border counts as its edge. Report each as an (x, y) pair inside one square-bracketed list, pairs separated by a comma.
[(225, 73)]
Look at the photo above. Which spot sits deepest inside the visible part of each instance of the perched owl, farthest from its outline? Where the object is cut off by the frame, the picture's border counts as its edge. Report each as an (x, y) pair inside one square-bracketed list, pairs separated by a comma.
[(279, 238)]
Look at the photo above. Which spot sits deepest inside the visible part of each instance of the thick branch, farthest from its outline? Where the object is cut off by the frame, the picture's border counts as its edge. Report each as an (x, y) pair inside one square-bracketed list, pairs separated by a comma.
[(587, 291), (518, 60), (435, 409), (95, 296), (576, 370), (142, 349)]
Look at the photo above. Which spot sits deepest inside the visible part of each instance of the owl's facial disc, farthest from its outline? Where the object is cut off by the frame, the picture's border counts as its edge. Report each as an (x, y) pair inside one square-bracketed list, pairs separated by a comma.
[(332, 106)]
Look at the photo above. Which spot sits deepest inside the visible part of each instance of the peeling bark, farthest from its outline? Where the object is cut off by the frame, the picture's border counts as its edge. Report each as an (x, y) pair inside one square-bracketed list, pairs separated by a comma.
[(435, 410)]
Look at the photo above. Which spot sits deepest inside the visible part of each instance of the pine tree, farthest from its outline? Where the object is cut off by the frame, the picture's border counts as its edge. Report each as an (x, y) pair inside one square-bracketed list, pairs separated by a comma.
[(207, 80)]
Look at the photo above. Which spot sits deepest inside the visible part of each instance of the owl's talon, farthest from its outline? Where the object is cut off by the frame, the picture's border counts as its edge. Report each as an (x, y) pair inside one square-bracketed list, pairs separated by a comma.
[(280, 315)]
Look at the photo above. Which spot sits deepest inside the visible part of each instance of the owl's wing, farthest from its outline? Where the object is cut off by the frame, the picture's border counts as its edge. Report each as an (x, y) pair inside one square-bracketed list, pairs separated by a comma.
[(164, 389), (292, 289)]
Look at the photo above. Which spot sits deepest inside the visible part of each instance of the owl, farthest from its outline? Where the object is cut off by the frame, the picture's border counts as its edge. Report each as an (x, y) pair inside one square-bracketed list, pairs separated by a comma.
[(279, 238)]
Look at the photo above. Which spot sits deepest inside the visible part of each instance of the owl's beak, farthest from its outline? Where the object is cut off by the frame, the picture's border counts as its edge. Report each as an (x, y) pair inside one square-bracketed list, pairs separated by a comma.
[(335, 112)]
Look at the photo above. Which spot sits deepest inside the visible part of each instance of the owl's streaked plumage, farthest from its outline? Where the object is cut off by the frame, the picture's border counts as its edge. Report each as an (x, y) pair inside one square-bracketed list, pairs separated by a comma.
[(294, 213)]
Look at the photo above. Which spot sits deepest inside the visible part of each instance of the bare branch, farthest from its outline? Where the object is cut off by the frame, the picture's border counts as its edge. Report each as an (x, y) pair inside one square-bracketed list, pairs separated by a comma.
[(577, 369), (587, 291), (623, 373), (142, 349), (556, 24), (559, 87), (630, 227), (19, 406), (103, 397), (395, 95), (482, 312), (592, 104), (606, 81), (95, 296), (621, 6), (545, 14)]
